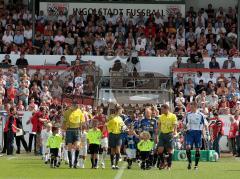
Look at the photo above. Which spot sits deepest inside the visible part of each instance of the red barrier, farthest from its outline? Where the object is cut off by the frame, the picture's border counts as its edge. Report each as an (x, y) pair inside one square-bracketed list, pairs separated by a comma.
[(206, 70), (49, 67)]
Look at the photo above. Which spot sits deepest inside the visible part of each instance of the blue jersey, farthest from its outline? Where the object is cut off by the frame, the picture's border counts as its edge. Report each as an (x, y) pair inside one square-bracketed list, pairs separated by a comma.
[(131, 141), (195, 121), (149, 125), (135, 123)]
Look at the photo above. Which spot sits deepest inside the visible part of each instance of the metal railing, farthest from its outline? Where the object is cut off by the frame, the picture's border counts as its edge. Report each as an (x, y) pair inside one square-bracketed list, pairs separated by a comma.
[(142, 81)]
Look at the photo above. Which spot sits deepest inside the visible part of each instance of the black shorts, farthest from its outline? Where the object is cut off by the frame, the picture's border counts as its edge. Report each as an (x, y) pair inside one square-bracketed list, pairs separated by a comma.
[(54, 152), (93, 148), (144, 155), (72, 135), (115, 140), (166, 140)]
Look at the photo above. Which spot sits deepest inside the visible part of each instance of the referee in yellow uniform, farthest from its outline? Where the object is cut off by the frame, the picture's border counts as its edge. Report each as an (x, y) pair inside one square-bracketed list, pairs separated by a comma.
[(115, 126), (73, 118), (168, 128)]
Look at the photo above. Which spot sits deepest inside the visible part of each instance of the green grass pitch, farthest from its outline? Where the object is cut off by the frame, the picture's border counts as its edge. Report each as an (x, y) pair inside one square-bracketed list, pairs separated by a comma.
[(25, 166)]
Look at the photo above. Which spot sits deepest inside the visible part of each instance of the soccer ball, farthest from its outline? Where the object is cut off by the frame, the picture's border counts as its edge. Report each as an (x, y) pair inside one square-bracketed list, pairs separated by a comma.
[(215, 156)]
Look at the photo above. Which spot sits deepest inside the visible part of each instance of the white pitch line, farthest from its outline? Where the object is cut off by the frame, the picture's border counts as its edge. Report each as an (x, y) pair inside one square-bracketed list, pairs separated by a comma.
[(120, 171), (10, 158)]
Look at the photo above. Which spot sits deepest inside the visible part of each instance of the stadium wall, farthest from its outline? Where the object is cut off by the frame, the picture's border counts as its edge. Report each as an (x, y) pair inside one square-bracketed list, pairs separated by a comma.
[(148, 64)]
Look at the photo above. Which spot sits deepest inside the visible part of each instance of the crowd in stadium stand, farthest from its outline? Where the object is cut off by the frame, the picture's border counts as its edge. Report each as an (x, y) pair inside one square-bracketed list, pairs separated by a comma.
[(212, 93), (202, 33)]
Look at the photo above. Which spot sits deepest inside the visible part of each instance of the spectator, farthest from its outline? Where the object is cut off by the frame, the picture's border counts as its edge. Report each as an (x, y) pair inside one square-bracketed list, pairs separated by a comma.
[(213, 64), (2, 92), (61, 17), (199, 77), (11, 94), (189, 86), (59, 37), (232, 135), (57, 49), (32, 105), (223, 106), (23, 94), (21, 62), (211, 78), (212, 100), (217, 129), (56, 90), (7, 38), (210, 87), (7, 60), (222, 89), (233, 104), (18, 38), (46, 81), (201, 97), (190, 99), (221, 78), (229, 63), (36, 80), (45, 95), (177, 63), (62, 62), (233, 93), (180, 98)]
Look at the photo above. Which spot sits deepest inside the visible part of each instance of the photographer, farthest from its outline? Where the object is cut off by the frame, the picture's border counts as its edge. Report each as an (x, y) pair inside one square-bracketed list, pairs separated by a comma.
[(133, 65)]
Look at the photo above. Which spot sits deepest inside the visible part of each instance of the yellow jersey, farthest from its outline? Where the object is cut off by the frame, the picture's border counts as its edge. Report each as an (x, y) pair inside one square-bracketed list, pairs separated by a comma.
[(73, 118), (115, 124), (94, 136), (145, 146), (167, 122), (54, 141)]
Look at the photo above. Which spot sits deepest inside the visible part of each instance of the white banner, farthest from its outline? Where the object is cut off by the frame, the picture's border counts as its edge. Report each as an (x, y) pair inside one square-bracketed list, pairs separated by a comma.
[(115, 8)]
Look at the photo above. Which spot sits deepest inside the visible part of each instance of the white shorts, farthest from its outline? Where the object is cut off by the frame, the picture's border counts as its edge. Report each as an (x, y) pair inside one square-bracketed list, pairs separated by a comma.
[(45, 150), (131, 153), (104, 142), (83, 150)]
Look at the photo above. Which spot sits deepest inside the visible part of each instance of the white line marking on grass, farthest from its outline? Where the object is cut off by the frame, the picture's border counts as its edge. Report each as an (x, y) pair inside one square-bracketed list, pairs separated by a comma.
[(120, 171), (10, 158)]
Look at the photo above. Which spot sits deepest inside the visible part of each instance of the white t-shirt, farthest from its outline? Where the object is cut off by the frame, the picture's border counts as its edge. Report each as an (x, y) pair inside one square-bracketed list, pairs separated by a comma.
[(195, 121), (78, 80), (83, 138), (111, 19), (159, 20), (231, 34), (59, 38), (197, 79), (44, 136), (28, 34), (62, 18), (213, 79), (7, 39)]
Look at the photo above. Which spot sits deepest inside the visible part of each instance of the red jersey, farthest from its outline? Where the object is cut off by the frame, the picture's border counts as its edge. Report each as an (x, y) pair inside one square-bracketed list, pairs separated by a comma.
[(34, 122), (180, 126), (37, 124), (233, 130), (101, 120), (232, 104), (11, 92), (101, 124), (7, 125), (217, 127)]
